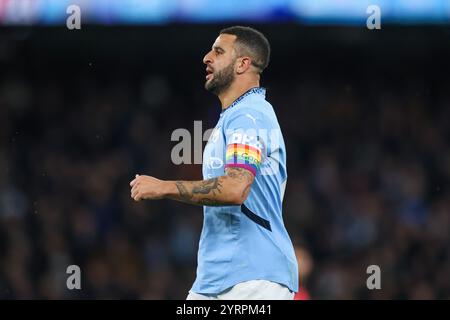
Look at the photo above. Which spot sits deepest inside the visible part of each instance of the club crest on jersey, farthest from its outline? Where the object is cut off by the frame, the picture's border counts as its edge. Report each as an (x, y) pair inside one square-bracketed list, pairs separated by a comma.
[(214, 163)]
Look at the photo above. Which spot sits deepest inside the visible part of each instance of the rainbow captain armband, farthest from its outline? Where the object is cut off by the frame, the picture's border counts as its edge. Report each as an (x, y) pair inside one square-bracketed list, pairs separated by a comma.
[(243, 156)]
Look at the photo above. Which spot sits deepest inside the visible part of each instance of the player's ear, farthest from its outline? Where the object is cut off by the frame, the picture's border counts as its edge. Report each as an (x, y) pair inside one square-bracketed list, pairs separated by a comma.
[(243, 64)]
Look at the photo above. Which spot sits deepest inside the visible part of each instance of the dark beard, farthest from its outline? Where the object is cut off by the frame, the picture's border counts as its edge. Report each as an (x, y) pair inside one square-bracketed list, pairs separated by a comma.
[(221, 80)]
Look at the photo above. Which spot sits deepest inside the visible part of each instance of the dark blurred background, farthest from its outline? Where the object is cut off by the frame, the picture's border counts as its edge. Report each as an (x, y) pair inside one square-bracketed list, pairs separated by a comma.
[(365, 116)]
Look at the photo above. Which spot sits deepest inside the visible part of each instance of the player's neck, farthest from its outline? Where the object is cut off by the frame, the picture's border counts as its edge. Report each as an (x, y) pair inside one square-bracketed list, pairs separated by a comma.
[(236, 89)]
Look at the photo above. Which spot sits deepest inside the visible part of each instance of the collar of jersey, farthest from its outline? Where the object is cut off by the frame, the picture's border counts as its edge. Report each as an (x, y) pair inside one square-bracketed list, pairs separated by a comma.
[(254, 90)]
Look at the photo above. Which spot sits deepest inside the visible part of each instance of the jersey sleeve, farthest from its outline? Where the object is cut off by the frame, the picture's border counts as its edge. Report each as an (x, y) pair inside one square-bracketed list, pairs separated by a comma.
[(244, 143)]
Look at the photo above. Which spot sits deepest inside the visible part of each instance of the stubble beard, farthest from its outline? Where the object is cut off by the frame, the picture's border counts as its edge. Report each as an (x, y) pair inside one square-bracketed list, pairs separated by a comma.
[(221, 80)]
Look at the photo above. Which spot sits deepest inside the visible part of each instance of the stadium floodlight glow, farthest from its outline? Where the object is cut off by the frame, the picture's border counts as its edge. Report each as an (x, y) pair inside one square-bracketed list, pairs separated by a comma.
[(126, 12)]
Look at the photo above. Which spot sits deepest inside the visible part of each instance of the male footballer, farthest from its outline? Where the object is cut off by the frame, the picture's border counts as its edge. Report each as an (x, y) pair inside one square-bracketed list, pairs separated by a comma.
[(245, 251)]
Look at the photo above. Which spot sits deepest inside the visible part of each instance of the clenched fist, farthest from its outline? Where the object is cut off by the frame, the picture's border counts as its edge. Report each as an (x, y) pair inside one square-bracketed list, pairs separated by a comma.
[(146, 187)]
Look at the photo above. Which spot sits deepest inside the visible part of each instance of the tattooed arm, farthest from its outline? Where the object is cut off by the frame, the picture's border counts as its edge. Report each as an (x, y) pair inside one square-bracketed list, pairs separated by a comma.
[(229, 189)]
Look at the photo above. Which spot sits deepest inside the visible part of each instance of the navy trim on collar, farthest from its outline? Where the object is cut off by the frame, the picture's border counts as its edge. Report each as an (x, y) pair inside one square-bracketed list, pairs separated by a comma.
[(255, 90)]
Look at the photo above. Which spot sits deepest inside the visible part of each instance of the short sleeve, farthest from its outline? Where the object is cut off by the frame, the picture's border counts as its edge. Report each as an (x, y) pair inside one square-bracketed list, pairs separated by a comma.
[(244, 143)]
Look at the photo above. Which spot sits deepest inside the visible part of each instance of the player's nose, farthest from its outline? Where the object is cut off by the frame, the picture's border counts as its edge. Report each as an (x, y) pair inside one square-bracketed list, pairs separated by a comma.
[(207, 58)]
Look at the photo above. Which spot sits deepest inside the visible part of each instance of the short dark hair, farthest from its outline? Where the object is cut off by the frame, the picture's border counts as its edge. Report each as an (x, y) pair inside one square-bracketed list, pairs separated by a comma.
[(253, 43)]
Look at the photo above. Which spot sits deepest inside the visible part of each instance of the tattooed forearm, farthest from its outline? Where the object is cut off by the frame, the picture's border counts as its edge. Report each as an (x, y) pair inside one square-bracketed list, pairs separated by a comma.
[(207, 186), (210, 202), (243, 176), (184, 193), (240, 174), (230, 189), (195, 191)]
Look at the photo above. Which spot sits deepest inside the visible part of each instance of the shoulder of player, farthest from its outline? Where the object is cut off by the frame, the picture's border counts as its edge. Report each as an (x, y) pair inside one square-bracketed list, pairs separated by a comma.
[(254, 112)]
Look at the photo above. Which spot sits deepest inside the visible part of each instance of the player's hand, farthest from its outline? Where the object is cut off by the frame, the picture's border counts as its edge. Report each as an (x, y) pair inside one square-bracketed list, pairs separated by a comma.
[(146, 187)]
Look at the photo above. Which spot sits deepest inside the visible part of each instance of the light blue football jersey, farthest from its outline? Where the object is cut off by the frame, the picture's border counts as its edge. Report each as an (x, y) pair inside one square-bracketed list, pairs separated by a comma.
[(248, 242)]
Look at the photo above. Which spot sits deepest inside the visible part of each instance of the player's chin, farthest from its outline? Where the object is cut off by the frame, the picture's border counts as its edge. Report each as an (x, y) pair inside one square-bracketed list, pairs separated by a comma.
[(210, 86)]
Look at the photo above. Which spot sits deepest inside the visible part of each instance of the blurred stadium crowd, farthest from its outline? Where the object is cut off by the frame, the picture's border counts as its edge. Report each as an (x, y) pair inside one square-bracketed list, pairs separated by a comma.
[(368, 166)]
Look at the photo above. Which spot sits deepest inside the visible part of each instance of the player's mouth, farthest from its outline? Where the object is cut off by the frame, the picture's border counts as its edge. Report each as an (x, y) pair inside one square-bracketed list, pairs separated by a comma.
[(209, 73)]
